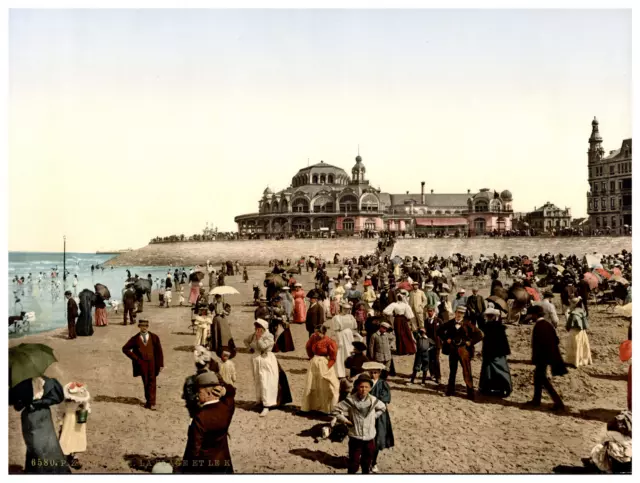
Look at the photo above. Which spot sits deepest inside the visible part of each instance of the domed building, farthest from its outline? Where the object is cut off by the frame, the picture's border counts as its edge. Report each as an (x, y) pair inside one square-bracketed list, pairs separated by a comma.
[(323, 199)]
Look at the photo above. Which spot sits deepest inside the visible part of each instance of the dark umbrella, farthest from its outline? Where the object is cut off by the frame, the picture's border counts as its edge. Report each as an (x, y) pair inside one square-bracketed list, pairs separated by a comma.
[(29, 360), (499, 302), (197, 276), (103, 291), (142, 285), (275, 279)]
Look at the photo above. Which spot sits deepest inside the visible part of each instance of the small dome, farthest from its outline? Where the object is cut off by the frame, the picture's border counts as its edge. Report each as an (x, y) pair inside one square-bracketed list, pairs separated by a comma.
[(506, 195), (358, 159), (267, 192)]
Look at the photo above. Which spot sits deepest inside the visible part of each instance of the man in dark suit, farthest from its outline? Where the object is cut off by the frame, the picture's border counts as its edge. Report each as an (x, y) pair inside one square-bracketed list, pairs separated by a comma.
[(72, 314), (207, 448), (545, 352), (475, 307), (458, 338), (432, 324), (315, 314), (145, 351), (129, 301)]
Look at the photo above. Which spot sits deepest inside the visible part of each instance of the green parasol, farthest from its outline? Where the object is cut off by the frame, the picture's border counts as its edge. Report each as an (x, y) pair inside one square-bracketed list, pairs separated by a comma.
[(29, 360)]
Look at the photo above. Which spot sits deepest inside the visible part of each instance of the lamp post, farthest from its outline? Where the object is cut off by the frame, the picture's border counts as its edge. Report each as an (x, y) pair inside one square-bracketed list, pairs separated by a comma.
[(64, 258)]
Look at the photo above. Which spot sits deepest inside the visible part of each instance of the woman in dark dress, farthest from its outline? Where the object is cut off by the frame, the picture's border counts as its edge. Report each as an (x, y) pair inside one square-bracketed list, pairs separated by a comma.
[(84, 324), (381, 391), (44, 454), (495, 377)]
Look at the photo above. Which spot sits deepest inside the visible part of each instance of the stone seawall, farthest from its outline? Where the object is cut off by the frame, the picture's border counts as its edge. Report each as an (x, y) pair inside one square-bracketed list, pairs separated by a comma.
[(247, 252), (531, 246)]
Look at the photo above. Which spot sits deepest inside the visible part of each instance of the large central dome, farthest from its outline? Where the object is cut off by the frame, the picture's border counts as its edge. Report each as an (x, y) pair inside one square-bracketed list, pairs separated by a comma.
[(320, 173)]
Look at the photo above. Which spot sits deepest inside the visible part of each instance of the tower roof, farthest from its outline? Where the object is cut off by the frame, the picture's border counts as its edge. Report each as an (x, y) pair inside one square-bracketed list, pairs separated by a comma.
[(595, 133)]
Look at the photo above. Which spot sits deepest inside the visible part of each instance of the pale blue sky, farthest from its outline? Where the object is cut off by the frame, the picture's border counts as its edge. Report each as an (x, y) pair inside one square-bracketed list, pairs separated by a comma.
[(217, 105)]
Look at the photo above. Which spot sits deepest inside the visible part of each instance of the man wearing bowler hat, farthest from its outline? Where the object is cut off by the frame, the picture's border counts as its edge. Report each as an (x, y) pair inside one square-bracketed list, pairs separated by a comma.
[(207, 448), (458, 338), (145, 351)]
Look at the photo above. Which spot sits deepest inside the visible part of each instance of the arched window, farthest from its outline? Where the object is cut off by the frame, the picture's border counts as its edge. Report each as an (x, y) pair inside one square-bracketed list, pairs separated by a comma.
[(323, 179), (284, 206), (495, 205), (438, 212), (330, 179), (300, 205), (266, 208), (323, 204), (348, 203), (314, 179), (481, 206), (369, 203)]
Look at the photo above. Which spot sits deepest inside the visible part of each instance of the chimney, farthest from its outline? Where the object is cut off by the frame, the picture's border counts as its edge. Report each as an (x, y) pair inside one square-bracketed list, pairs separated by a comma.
[(431, 191), (422, 193)]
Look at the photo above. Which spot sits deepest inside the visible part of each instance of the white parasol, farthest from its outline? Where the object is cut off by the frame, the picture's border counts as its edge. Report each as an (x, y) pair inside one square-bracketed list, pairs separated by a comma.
[(224, 290)]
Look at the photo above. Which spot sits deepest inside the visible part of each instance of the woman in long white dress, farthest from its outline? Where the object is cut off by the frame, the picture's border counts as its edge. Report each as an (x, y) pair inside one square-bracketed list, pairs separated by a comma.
[(265, 365), (578, 349), (343, 326)]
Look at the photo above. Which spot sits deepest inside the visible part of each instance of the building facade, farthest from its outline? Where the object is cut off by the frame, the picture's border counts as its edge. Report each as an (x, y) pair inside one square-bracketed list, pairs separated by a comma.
[(549, 218), (324, 199), (609, 197)]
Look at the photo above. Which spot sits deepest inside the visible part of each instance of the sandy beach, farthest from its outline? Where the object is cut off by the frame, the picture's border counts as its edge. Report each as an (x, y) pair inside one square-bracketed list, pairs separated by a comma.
[(433, 433)]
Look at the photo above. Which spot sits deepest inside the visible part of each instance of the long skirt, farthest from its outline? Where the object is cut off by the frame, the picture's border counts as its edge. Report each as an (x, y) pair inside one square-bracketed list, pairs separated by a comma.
[(266, 378), (299, 311), (284, 342), (404, 342), (578, 349), (195, 293), (101, 317), (495, 377), (284, 391), (73, 436), (44, 454), (322, 389)]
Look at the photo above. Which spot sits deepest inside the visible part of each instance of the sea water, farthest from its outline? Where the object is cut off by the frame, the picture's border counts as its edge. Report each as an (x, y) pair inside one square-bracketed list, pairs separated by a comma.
[(44, 295)]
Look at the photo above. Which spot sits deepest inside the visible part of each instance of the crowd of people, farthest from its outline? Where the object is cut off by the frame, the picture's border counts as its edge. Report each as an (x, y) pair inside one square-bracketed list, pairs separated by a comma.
[(374, 310), (381, 308)]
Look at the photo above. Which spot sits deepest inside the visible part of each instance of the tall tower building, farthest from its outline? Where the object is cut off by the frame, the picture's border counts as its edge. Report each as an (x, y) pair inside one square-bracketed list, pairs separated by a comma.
[(609, 197)]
